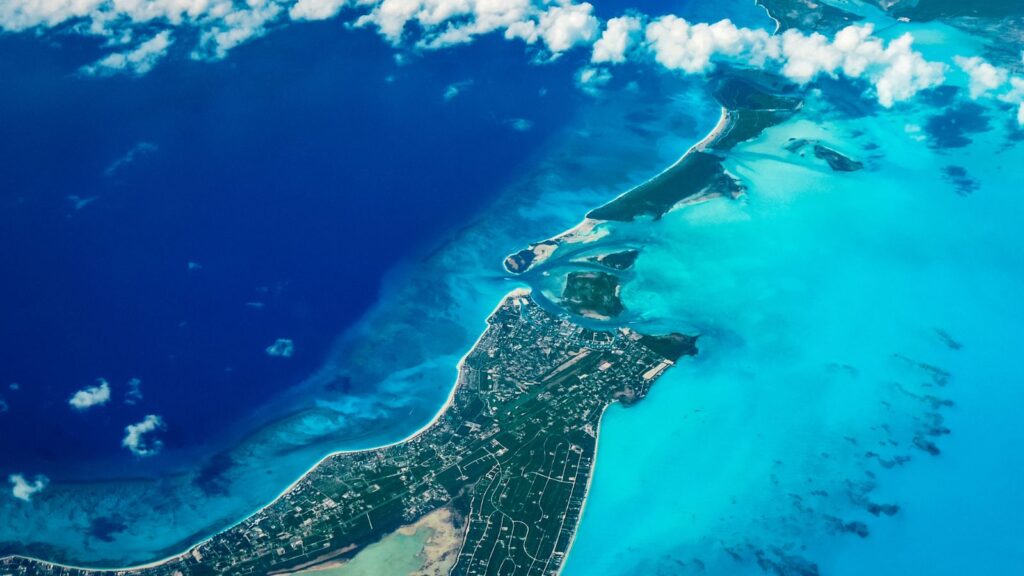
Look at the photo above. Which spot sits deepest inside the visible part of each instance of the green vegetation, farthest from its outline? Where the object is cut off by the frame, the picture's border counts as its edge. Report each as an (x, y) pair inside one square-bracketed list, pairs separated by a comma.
[(623, 260), (751, 105), (696, 173), (808, 15), (510, 457), (934, 9), (837, 161), (592, 294)]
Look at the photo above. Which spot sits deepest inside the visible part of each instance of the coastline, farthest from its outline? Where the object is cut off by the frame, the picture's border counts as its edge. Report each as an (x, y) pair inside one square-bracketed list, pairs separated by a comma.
[(778, 24), (582, 232), (586, 491), (515, 292)]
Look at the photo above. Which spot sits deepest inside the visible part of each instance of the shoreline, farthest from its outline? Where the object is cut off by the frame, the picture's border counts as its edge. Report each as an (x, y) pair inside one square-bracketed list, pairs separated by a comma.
[(515, 292), (586, 491), (581, 232)]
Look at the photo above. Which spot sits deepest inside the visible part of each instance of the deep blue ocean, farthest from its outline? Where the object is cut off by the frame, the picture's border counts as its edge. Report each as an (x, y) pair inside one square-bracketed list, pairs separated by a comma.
[(171, 227)]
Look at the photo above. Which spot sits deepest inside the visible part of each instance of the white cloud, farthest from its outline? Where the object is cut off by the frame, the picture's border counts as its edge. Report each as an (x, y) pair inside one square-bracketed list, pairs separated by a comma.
[(444, 22), (17, 15), (138, 60), (896, 70), (281, 348), (1015, 95), (807, 56), (483, 17), (315, 9), (106, 17), (591, 79), (520, 124), (219, 25), (23, 489), (135, 436), (619, 36), (560, 27), (235, 27), (984, 76), (902, 72), (3, 405), (91, 396), (134, 393), (455, 88), (691, 48), (139, 150)]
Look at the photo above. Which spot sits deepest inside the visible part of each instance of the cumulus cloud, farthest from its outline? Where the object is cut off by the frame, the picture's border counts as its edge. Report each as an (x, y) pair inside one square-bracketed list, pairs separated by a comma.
[(18, 15), (24, 489), (138, 60), (894, 69), (520, 124), (134, 393), (443, 22), (281, 348), (135, 436), (234, 28), (138, 151), (1015, 95), (219, 25), (984, 76), (592, 79), (315, 9), (455, 88), (988, 80), (560, 27), (91, 396), (680, 45), (619, 36)]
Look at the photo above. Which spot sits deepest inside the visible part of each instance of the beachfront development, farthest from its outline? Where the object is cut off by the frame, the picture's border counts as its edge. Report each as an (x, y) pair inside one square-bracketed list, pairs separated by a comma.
[(510, 456)]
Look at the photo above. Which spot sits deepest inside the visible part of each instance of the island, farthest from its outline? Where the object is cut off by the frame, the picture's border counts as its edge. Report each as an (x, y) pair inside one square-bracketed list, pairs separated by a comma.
[(807, 15), (592, 294), (623, 260), (836, 160), (509, 458), (751, 100)]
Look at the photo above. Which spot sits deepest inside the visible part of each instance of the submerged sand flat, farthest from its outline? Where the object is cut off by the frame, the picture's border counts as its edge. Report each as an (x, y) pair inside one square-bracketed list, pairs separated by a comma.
[(427, 547)]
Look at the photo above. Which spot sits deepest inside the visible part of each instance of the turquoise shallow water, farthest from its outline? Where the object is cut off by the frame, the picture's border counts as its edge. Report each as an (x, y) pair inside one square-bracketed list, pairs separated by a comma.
[(818, 294)]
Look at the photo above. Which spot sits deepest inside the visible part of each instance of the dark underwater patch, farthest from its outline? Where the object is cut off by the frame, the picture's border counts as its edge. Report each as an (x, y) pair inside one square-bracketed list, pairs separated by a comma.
[(940, 96), (848, 97), (212, 478), (105, 527), (963, 182), (952, 128)]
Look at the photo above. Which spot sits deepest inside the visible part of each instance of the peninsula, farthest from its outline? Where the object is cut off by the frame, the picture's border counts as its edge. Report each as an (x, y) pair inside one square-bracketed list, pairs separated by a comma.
[(751, 101), (510, 457)]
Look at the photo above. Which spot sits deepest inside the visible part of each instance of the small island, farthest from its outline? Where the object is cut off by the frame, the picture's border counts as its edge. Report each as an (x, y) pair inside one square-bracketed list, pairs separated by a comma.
[(620, 261), (836, 160), (594, 295)]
